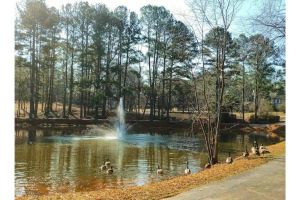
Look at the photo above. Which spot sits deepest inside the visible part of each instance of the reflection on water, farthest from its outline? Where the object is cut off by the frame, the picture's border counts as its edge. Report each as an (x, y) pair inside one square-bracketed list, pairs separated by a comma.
[(59, 161)]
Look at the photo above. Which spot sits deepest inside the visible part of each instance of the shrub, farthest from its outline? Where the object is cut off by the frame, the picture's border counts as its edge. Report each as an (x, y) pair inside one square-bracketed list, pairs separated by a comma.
[(264, 119), (264, 107), (227, 117), (281, 108)]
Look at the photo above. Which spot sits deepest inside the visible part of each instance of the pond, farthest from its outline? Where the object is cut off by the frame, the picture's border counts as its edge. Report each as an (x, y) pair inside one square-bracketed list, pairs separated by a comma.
[(51, 161)]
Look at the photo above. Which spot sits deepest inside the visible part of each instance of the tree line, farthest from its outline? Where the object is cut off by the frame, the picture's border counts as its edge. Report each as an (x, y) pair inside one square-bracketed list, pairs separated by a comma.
[(88, 57)]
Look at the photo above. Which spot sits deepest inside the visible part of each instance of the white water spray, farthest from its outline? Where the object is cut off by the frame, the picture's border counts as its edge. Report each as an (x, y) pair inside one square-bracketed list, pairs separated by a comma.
[(120, 124)]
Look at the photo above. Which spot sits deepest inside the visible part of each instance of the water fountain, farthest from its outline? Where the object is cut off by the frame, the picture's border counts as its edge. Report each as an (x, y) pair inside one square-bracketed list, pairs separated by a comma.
[(120, 125), (113, 141), (117, 130)]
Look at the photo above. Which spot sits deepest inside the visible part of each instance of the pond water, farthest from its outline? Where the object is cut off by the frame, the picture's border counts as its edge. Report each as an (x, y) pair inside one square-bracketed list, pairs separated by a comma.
[(48, 161)]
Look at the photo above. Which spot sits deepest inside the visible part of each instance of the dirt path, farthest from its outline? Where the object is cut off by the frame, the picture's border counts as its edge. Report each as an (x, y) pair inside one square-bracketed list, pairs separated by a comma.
[(264, 182)]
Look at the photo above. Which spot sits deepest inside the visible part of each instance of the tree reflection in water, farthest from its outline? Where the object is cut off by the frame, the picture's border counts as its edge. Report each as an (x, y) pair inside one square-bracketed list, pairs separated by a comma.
[(56, 161)]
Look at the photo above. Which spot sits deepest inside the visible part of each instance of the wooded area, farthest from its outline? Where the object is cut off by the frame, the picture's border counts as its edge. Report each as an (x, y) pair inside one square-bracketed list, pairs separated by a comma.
[(88, 57)]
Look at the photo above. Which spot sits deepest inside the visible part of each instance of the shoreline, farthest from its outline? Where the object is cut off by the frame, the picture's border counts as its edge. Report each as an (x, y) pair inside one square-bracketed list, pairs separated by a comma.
[(174, 185), (275, 130)]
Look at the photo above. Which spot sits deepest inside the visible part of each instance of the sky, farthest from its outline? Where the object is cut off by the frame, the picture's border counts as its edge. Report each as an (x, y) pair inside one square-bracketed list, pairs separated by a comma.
[(177, 7), (133, 5)]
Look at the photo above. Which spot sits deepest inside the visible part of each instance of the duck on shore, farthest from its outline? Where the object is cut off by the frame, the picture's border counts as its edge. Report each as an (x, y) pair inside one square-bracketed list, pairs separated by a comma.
[(246, 153), (263, 149), (229, 159), (187, 170), (254, 148), (207, 165)]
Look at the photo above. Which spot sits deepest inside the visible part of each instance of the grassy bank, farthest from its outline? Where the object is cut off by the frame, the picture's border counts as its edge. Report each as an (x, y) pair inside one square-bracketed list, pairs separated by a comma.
[(174, 185)]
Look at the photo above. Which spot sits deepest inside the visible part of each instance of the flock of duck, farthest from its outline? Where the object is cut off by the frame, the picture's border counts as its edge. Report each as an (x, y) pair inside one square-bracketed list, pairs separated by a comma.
[(186, 171), (255, 150), (107, 167)]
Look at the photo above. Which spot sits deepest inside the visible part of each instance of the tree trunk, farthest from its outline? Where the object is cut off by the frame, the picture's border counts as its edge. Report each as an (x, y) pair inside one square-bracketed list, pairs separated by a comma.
[(155, 66), (147, 99), (243, 95), (82, 87), (51, 91), (139, 91), (163, 84), (97, 87), (256, 93), (66, 73), (125, 75), (19, 107), (221, 86), (150, 79), (107, 76), (71, 83), (170, 90), (255, 100), (37, 82), (32, 76), (120, 66), (86, 93)]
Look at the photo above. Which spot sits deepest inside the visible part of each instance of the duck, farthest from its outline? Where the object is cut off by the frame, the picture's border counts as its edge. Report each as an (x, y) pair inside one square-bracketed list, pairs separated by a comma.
[(187, 170), (207, 165), (103, 167), (229, 159), (246, 153), (159, 170), (263, 149), (110, 170), (254, 149), (107, 163)]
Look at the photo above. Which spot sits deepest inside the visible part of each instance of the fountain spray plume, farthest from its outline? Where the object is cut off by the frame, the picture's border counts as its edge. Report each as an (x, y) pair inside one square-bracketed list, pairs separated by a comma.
[(120, 125)]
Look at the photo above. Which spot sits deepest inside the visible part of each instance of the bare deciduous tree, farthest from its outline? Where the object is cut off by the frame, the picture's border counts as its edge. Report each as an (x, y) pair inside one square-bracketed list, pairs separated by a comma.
[(212, 14), (271, 19)]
